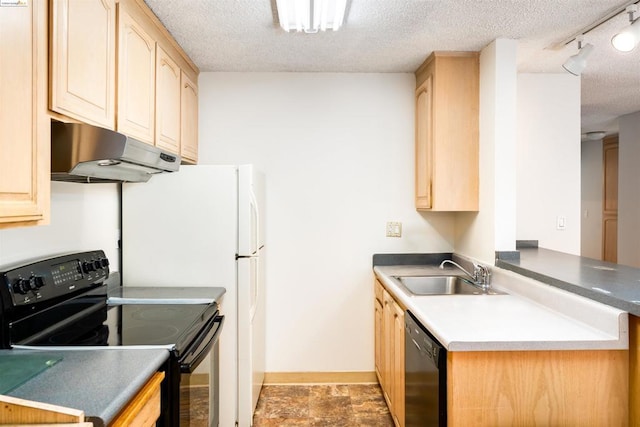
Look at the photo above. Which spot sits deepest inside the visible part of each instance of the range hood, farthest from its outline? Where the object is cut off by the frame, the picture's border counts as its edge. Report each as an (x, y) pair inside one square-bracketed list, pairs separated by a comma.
[(90, 154)]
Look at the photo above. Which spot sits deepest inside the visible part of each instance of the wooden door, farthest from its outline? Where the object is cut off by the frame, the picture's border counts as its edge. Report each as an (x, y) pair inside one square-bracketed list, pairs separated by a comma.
[(167, 102), (25, 129), (136, 79), (610, 200), (83, 53), (424, 144), (189, 120)]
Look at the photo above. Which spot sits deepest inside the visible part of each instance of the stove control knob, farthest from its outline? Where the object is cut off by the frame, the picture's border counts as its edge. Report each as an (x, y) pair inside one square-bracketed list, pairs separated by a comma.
[(21, 286), (104, 262), (32, 283), (39, 281), (87, 266), (97, 265)]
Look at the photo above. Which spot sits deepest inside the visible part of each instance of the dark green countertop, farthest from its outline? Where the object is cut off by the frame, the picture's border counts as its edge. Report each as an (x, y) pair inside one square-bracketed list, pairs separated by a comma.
[(613, 284), (98, 382)]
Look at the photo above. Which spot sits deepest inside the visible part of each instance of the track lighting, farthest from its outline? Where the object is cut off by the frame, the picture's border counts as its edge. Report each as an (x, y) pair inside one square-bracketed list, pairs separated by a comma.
[(627, 40), (578, 62)]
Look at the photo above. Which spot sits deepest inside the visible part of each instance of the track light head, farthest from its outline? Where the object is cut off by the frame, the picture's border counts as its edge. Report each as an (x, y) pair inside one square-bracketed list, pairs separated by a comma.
[(628, 39), (578, 62)]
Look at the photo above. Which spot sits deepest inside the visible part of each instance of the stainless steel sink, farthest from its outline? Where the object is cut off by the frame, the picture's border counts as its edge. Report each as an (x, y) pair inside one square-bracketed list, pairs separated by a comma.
[(440, 285)]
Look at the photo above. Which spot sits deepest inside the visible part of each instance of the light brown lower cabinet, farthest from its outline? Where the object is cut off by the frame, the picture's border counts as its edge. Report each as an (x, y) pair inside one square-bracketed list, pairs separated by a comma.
[(144, 409), (389, 358), (517, 388), (538, 388)]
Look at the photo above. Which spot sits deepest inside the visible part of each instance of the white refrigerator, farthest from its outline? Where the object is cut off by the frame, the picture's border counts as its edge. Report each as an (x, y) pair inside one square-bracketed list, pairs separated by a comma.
[(203, 226)]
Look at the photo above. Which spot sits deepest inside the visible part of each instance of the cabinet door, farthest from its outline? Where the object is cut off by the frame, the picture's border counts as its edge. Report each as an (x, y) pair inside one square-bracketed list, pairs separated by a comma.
[(136, 79), (167, 102), (189, 120), (378, 338), (398, 365), (83, 53), (24, 126), (424, 144), (388, 331)]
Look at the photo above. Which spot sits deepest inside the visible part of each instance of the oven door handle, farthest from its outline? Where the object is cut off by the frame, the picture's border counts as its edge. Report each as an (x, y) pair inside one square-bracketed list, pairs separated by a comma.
[(201, 346)]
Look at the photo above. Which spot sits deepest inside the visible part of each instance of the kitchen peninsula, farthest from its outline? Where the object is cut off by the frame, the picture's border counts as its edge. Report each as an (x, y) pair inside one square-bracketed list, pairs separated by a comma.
[(501, 347)]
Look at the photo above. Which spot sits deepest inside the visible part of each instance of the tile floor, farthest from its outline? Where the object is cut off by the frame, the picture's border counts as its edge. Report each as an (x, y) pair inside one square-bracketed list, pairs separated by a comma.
[(335, 405)]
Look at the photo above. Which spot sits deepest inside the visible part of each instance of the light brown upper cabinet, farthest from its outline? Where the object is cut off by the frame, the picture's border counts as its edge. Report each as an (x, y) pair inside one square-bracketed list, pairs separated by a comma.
[(167, 102), (83, 58), (447, 116), (24, 123), (136, 79), (189, 120)]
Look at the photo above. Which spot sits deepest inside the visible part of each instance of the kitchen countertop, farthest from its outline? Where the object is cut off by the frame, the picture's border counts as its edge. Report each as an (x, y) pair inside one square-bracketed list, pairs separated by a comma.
[(530, 316), (613, 284), (117, 294), (98, 382)]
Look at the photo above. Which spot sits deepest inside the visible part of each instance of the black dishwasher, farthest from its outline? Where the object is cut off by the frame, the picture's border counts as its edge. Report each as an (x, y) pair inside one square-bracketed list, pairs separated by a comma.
[(425, 377)]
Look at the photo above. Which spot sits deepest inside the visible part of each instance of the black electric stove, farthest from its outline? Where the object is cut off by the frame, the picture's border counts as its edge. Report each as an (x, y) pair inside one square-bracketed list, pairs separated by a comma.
[(62, 302)]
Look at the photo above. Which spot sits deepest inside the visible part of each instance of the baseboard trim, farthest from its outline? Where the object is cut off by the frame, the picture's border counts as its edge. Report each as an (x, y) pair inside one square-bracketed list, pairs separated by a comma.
[(365, 377)]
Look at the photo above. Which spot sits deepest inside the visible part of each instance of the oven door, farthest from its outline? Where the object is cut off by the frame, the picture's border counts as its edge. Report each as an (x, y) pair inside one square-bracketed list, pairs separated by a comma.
[(199, 378)]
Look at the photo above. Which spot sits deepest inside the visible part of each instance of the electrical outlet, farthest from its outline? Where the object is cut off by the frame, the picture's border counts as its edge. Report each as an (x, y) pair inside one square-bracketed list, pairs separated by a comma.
[(394, 229)]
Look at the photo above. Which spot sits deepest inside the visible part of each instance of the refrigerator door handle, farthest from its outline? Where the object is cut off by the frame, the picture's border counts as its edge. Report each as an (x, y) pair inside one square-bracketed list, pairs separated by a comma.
[(255, 219), (255, 265)]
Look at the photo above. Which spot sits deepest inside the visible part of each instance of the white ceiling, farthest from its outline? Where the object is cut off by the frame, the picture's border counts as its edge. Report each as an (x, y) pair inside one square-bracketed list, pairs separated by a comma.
[(397, 35)]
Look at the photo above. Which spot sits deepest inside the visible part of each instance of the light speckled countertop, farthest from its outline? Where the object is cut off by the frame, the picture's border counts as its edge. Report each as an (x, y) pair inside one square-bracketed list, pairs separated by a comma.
[(530, 316), (98, 382)]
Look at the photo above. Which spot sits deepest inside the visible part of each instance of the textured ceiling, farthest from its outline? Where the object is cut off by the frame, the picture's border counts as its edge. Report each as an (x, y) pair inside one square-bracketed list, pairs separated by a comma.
[(397, 35)]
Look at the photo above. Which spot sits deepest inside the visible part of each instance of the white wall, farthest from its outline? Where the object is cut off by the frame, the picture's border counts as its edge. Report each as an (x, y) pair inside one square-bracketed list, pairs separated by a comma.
[(337, 152), (83, 217), (591, 191), (548, 177), (628, 193), (479, 235)]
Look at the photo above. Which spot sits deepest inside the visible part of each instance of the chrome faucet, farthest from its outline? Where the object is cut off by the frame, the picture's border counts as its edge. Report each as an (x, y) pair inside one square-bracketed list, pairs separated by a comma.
[(481, 276)]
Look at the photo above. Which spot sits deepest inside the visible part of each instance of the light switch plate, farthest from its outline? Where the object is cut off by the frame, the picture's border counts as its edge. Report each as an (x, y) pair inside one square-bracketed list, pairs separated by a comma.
[(394, 229)]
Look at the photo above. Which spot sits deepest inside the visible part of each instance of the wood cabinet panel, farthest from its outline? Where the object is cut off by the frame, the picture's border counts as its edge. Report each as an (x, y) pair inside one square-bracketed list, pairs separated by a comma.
[(389, 350), (447, 128), (378, 338), (424, 145), (25, 136), (167, 102), (189, 119), (144, 409), (398, 365), (136, 79), (83, 52), (538, 388)]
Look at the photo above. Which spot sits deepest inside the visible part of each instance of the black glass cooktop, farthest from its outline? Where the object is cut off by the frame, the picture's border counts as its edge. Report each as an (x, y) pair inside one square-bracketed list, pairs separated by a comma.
[(170, 325), (157, 324)]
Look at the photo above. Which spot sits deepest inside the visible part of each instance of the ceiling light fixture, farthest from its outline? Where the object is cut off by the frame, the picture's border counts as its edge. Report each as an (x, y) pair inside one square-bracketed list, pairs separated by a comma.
[(595, 135), (311, 16), (578, 62), (627, 40)]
